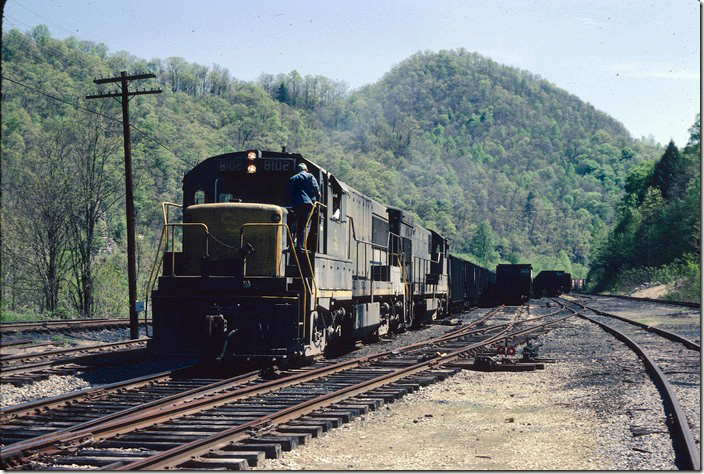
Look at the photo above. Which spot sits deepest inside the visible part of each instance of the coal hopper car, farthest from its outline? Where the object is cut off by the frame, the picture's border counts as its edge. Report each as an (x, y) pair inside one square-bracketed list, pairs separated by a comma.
[(549, 283), (513, 283)]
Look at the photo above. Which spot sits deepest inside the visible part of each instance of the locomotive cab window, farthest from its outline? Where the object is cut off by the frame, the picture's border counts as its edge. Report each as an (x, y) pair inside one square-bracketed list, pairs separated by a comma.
[(226, 197), (338, 211), (199, 197)]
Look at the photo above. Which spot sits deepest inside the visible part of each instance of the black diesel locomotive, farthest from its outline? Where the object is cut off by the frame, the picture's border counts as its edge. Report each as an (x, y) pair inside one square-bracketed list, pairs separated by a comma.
[(238, 287)]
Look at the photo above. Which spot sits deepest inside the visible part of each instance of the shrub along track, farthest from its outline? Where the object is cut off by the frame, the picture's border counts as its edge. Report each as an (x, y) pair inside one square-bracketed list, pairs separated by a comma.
[(662, 353), (236, 425)]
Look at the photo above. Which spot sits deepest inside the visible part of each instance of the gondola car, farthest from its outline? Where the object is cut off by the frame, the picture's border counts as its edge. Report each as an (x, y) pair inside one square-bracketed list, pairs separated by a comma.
[(549, 283), (468, 283), (566, 283), (577, 284), (513, 283), (239, 288)]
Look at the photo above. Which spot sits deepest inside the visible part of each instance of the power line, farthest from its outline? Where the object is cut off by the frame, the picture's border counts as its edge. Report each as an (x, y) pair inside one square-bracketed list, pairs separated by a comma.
[(26, 38), (60, 99), (45, 19), (146, 134)]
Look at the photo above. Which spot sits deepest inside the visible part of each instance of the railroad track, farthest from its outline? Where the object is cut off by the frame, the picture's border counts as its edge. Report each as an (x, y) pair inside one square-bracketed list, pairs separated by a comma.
[(18, 369), (54, 325), (236, 423), (674, 365), (650, 300)]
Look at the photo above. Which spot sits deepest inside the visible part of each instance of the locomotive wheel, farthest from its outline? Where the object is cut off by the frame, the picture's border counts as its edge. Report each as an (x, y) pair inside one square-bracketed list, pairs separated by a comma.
[(319, 333)]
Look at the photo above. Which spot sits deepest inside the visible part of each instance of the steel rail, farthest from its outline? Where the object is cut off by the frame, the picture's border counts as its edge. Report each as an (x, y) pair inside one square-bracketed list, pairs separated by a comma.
[(66, 361), (23, 409), (69, 351), (50, 325), (686, 448), (30, 346), (651, 300), (180, 454), (17, 343), (182, 397), (660, 332), (170, 409)]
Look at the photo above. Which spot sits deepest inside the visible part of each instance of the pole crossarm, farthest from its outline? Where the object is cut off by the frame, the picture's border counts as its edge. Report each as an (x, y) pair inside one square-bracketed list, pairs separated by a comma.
[(119, 94), (127, 78)]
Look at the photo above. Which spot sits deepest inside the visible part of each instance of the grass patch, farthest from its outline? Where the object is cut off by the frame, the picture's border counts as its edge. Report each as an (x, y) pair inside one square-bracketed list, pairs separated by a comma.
[(7, 316)]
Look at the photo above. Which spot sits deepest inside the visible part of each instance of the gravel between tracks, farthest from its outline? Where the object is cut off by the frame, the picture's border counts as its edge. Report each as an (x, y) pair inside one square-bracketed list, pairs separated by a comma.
[(589, 410), (50, 387)]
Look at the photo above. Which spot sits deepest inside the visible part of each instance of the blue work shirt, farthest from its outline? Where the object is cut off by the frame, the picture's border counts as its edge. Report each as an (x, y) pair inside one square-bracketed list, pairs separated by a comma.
[(304, 188)]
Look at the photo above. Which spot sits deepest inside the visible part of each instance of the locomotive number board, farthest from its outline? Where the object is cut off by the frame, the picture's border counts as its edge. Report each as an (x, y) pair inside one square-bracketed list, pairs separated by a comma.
[(262, 165)]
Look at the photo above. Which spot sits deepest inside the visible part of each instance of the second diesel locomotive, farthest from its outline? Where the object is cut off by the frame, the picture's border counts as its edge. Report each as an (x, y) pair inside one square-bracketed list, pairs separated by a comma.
[(239, 288)]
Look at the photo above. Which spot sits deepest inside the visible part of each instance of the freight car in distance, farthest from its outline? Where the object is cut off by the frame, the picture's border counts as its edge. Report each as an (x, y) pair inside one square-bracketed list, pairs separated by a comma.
[(513, 283), (551, 283), (469, 283)]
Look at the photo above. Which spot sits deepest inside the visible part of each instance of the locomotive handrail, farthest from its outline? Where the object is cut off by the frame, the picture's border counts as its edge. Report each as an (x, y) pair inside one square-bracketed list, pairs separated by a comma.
[(165, 211), (370, 244), (305, 240), (154, 272), (173, 239), (295, 254), (288, 231), (406, 287)]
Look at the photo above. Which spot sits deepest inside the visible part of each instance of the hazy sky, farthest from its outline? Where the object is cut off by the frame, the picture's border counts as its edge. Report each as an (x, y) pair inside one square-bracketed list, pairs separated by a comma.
[(638, 61)]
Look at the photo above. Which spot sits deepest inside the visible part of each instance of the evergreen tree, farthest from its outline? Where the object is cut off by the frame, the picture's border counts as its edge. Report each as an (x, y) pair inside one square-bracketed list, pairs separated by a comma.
[(282, 94), (666, 170)]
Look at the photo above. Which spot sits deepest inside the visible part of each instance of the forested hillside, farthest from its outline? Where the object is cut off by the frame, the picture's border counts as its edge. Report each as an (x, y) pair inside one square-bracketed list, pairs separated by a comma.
[(507, 165), (657, 235)]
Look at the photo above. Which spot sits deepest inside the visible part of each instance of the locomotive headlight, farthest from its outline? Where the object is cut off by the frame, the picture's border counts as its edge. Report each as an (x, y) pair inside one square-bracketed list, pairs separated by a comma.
[(251, 169), (252, 155)]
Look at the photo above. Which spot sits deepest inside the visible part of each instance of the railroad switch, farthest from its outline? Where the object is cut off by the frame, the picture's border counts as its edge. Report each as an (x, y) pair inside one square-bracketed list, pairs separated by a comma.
[(494, 363), (530, 351), (508, 350)]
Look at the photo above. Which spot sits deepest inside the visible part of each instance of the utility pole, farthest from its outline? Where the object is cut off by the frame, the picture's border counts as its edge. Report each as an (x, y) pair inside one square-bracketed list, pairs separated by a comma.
[(124, 96)]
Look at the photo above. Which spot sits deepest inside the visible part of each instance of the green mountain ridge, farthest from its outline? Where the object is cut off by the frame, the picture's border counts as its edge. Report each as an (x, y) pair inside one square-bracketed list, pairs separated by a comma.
[(454, 137)]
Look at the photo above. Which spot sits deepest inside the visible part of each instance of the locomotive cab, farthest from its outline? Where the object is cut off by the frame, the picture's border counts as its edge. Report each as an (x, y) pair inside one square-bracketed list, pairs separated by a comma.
[(237, 287)]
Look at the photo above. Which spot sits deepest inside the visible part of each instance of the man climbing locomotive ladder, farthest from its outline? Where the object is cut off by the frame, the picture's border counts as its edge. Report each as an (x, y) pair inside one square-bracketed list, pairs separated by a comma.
[(304, 191)]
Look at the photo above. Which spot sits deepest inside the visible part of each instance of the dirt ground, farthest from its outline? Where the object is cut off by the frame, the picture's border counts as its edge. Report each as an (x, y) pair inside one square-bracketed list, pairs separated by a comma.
[(657, 291), (586, 411), (472, 421)]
